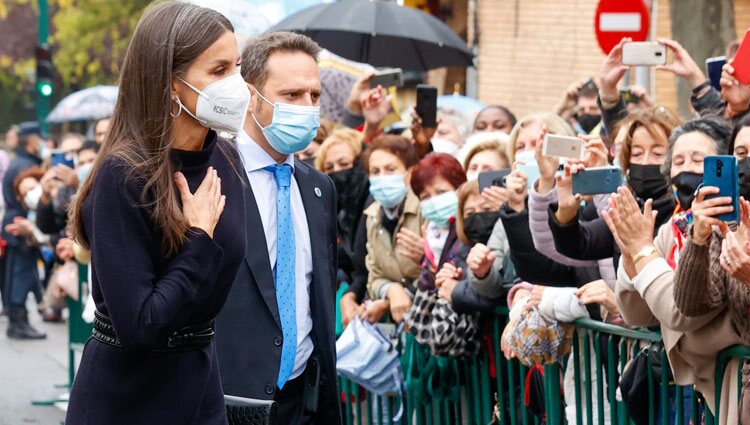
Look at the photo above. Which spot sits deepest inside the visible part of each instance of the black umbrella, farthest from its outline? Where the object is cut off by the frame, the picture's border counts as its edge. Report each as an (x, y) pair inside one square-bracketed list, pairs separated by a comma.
[(380, 33)]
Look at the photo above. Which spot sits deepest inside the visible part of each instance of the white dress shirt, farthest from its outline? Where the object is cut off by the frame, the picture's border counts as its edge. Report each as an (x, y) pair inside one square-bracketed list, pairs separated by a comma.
[(264, 188)]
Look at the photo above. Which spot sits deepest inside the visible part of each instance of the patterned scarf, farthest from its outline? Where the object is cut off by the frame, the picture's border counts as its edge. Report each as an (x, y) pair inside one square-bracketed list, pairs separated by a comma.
[(681, 222)]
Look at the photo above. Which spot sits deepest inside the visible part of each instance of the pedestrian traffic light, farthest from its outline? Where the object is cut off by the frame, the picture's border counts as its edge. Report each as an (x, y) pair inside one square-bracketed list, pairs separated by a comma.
[(45, 71)]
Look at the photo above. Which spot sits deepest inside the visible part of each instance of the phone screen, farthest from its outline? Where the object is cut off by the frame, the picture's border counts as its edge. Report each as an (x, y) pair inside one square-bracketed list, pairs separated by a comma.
[(493, 178), (427, 105), (63, 158), (713, 70)]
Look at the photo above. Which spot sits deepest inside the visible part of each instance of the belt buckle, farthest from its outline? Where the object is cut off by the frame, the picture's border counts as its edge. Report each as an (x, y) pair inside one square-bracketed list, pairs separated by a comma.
[(176, 339)]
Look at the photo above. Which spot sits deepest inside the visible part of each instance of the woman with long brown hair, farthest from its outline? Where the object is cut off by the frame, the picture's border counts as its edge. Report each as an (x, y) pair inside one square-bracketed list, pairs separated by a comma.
[(163, 214)]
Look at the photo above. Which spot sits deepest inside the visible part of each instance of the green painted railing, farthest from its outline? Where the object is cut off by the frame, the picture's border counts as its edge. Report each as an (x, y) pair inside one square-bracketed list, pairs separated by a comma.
[(464, 391), (613, 347), (742, 354)]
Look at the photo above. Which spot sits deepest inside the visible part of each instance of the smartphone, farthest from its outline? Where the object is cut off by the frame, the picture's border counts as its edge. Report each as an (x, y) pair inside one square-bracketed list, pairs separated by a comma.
[(493, 178), (427, 105), (563, 146), (594, 181), (741, 61), (628, 97), (311, 394), (721, 171), (713, 70), (391, 77), (646, 53), (63, 158)]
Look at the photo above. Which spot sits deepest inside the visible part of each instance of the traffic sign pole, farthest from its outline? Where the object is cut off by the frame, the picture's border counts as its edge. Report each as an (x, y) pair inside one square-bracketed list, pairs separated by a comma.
[(42, 101)]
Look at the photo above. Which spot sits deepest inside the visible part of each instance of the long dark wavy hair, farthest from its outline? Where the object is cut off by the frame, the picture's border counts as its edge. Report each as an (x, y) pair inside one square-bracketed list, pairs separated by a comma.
[(168, 38)]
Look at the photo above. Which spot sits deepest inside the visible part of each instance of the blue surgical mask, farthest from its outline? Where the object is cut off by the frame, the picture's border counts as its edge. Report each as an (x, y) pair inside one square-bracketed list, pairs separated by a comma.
[(528, 165), (388, 190), (292, 128), (83, 172), (45, 152), (439, 209)]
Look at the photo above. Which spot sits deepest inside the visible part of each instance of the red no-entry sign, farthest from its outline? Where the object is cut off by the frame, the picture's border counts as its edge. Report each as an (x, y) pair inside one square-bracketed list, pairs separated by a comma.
[(616, 19)]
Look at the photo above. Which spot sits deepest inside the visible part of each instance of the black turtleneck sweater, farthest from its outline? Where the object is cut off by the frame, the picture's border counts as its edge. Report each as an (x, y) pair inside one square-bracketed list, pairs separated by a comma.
[(148, 296)]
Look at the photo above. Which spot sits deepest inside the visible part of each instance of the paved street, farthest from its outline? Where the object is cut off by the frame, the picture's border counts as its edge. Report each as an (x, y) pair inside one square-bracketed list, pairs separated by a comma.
[(30, 371)]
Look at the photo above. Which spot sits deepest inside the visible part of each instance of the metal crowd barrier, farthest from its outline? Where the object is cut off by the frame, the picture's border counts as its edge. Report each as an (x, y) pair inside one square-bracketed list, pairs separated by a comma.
[(463, 391), (78, 333)]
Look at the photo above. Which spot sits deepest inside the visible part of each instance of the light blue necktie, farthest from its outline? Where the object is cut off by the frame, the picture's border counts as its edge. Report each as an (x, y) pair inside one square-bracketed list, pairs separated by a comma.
[(284, 270)]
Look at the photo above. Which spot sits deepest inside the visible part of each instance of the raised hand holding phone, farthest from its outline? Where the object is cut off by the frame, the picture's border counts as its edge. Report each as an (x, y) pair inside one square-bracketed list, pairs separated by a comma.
[(567, 202), (611, 72), (682, 64), (736, 94)]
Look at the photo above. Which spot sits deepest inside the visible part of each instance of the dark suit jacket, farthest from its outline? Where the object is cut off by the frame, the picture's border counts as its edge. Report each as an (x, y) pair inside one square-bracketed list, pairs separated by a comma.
[(248, 329), (13, 208)]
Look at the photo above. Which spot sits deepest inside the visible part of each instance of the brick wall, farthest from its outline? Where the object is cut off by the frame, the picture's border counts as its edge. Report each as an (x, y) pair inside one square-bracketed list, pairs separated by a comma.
[(530, 50), (741, 16)]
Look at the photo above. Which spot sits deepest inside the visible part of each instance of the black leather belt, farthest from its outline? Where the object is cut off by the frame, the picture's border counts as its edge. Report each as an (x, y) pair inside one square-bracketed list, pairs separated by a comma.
[(188, 338)]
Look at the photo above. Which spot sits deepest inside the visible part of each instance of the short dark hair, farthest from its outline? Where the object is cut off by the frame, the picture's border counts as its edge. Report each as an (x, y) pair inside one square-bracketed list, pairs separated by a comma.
[(397, 145), (588, 89), (738, 126), (34, 172), (715, 128), (89, 146), (434, 165), (259, 48), (508, 114)]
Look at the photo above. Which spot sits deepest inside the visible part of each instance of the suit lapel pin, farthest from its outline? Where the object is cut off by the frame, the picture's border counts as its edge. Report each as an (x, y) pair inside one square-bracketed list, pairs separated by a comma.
[(318, 193)]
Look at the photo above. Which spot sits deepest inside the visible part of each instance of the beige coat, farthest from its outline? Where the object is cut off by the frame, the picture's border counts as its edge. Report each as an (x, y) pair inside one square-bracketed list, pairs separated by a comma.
[(383, 265), (691, 342)]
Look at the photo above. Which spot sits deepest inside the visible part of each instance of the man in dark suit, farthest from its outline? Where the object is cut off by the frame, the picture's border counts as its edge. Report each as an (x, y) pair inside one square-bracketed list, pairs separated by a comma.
[(275, 335), (20, 275)]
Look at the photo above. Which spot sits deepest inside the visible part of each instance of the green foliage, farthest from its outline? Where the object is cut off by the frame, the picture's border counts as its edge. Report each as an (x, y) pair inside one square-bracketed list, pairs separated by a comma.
[(91, 36), (88, 39)]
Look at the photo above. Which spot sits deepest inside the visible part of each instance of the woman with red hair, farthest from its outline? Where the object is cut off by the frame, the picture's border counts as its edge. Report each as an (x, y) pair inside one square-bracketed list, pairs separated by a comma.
[(435, 180)]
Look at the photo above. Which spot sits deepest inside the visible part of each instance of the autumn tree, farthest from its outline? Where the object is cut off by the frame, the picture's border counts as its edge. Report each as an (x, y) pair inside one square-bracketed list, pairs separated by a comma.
[(88, 40)]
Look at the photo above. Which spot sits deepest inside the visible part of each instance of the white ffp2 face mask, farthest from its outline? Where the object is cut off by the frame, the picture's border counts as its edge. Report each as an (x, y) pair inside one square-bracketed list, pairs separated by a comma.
[(444, 146), (222, 105), (32, 197)]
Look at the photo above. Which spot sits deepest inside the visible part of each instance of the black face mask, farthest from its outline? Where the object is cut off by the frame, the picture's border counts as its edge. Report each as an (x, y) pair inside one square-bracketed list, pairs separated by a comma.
[(310, 161), (647, 181), (588, 122), (478, 227), (686, 184), (350, 186), (744, 173)]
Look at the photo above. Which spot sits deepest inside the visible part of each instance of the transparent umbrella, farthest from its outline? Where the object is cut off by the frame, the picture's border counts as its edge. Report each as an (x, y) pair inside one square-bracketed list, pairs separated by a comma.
[(85, 105)]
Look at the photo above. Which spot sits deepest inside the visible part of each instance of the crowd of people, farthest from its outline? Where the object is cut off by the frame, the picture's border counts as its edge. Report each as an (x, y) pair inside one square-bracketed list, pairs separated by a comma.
[(416, 231), (422, 242), (40, 177)]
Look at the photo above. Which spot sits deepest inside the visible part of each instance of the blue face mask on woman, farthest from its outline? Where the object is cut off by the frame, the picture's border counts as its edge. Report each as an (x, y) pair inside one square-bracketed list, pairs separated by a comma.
[(439, 209), (292, 128), (388, 190)]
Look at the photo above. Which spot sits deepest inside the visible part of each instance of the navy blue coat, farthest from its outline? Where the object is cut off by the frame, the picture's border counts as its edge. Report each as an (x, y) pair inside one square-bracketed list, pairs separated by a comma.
[(148, 296), (248, 330)]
